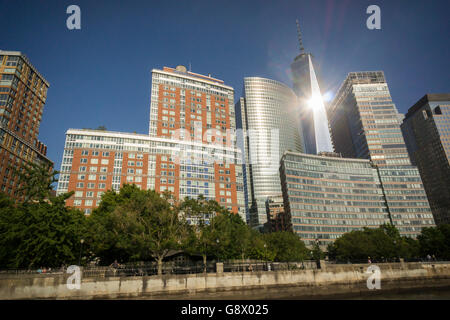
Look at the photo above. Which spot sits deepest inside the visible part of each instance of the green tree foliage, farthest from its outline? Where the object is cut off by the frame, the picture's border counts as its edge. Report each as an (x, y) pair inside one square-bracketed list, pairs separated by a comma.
[(286, 246), (35, 181), (435, 241), (40, 231), (135, 225), (382, 243), (201, 239)]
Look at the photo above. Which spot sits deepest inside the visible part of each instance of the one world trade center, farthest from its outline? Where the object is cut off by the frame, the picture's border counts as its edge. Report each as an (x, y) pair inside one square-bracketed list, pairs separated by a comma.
[(316, 132)]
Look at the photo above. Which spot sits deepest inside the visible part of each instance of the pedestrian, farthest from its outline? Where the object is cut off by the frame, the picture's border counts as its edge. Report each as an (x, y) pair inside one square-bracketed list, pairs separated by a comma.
[(428, 257), (369, 261), (115, 264), (250, 268)]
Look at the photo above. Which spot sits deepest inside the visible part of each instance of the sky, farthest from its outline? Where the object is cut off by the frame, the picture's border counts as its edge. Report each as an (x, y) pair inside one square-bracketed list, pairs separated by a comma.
[(100, 75)]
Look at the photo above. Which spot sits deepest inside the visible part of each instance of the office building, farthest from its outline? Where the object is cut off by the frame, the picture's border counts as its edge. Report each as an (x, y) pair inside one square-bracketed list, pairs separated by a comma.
[(326, 196), (316, 132), (23, 91), (270, 125), (277, 220), (365, 124), (426, 129)]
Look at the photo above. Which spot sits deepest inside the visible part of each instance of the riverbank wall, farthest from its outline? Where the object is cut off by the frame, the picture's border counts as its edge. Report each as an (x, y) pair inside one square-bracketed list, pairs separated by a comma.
[(331, 279)]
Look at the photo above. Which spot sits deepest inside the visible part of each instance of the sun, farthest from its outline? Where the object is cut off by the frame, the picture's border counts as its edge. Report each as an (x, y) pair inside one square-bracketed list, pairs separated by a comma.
[(315, 101)]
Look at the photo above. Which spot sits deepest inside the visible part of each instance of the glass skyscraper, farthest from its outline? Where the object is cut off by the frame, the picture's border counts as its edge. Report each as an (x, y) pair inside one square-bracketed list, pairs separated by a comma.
[(313, 115), (269, 114), (365, 124), (426, 129)]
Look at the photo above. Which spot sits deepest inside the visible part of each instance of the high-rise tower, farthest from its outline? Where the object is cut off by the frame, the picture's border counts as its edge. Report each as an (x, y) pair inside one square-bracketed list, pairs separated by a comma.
[(365, 124), (269, 115), (426, 129), (313, 115), (23, 91)]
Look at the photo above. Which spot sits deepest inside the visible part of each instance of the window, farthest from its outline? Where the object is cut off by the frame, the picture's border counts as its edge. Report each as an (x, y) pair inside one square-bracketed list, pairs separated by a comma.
[(103, 169), (92, 177), (105, 161), (131, 171), (78, 194), (94, 161), (88, 203), (82, 169), (131, 155), (93, 169), (81, 177), (85, 153), (80, 185), (91, 185), (102, 185), (77, 203), (83, 160), (106, 154), (90, 194), (130, 163), (95, 153)]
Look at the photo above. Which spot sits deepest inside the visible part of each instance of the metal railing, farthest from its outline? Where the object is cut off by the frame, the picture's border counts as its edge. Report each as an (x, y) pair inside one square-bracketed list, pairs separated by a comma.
[(151, 268)]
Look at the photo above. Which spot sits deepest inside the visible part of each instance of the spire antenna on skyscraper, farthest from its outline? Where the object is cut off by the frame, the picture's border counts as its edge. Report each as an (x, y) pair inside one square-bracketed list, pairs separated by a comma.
[(299, 33)]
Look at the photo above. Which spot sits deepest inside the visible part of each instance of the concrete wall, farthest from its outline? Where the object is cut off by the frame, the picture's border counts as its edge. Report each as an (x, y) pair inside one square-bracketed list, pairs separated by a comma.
[(331, 279)]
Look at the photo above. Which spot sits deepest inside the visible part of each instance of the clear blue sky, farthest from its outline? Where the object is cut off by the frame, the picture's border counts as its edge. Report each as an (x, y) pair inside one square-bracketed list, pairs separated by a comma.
[(100, 75)]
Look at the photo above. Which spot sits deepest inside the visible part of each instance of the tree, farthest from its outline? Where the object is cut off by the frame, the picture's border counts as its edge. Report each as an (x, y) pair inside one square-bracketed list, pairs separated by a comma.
[(139, 225), (34, 234), (230, 232), (201, 239), (35, 181), (435, 241), (287, 246), (382, 243)]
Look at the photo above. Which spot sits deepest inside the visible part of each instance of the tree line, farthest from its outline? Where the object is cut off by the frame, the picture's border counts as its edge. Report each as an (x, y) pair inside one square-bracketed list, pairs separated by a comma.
[(143, 225)]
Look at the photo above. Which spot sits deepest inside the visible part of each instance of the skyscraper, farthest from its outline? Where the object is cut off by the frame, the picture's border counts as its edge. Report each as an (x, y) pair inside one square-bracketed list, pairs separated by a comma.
[(23, 91), (365, 124), (426, 129), (313, 115), (270, 126)]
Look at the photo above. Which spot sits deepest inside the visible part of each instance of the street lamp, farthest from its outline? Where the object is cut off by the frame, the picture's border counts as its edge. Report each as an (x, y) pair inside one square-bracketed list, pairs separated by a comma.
[(81, 248), (265, 254), (218, 258)]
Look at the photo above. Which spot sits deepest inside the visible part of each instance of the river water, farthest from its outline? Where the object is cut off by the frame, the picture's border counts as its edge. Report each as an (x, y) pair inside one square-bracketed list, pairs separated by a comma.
[(412, 294), (430, 293)]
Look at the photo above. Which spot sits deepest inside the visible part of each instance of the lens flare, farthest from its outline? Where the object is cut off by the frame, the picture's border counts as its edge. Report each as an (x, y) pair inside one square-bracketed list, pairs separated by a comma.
[(315, 101)]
